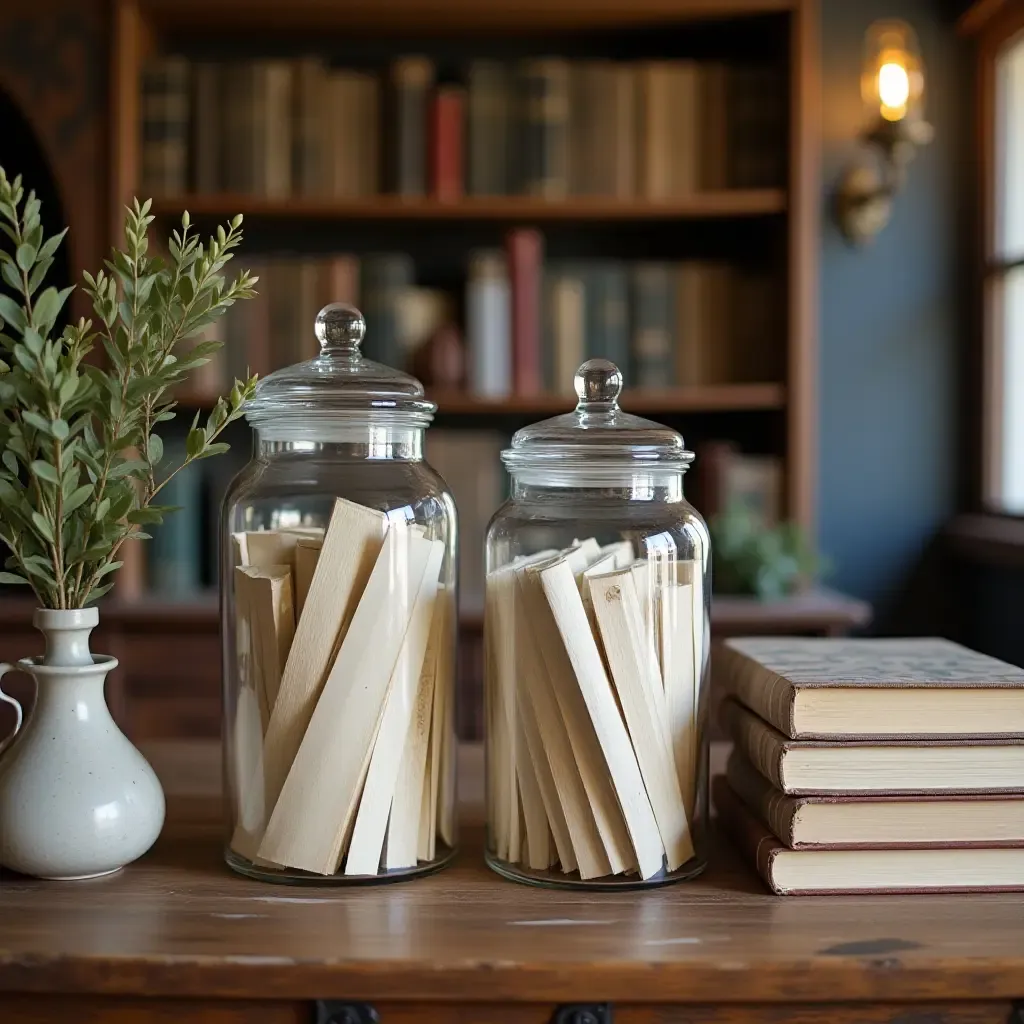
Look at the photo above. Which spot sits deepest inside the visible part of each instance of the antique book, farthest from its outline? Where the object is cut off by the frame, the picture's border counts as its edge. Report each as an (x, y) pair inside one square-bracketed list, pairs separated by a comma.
[(543, 154), (164, 102), (815, 687), (878, 821), (821, 872), (875, 766)]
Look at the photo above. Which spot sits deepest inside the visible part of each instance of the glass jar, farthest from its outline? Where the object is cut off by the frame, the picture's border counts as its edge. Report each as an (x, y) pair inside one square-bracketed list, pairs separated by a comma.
[(596, 652), (338, 578)]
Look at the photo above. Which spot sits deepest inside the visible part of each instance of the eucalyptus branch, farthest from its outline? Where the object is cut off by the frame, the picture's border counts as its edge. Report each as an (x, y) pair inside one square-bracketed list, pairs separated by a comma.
[(79, 456)]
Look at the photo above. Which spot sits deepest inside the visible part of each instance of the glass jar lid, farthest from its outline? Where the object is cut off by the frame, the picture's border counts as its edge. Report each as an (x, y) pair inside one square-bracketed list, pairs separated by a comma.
[(339, 384), (597, 434)]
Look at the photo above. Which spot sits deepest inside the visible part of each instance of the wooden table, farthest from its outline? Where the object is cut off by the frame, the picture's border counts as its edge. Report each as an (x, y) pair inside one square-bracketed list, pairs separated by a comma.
[(178, 938)]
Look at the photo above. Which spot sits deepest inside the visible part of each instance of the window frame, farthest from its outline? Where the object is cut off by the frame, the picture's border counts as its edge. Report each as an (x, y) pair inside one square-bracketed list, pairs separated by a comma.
[(997, 23)]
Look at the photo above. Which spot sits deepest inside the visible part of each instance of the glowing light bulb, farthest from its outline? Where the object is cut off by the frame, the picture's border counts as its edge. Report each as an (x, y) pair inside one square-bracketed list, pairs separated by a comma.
[(893, 90)]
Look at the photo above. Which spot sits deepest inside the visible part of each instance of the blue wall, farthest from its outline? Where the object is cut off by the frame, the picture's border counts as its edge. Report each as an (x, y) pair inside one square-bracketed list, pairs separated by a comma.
[(891, 317)]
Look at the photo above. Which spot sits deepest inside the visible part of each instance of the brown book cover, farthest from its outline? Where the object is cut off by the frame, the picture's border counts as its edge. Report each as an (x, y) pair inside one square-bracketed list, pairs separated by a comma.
[(840, 872), (857, 688), (525, 261), (893, 765), (446, 138), (922, 821)]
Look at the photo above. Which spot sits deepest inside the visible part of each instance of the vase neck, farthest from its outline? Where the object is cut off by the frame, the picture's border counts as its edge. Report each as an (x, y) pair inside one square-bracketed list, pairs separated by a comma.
[(66, 634)]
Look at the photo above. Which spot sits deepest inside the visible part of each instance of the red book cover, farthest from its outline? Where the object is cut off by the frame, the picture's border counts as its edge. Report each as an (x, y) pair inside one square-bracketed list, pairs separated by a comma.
[(525, 249), (446, 134)]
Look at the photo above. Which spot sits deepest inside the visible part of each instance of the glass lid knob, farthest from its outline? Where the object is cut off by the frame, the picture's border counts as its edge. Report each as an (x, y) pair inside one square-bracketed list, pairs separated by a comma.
[(340, 329), (598, 384)]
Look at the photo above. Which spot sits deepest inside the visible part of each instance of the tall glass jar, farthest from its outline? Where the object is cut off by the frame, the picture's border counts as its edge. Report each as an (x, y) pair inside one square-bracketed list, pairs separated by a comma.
[(338, 577), (596, 652)]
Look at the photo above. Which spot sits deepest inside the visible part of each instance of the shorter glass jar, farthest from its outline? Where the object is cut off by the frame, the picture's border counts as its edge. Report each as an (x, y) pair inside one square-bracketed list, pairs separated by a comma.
[(596, 652), (338, 627)]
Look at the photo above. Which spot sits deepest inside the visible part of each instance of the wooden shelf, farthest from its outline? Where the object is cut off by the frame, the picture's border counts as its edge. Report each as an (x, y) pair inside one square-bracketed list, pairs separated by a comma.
[(447, 17), (706, 398), (701, 205)]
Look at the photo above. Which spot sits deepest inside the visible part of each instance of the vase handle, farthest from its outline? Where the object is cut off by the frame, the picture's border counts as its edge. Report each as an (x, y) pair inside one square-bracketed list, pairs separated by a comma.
[(19, 715)]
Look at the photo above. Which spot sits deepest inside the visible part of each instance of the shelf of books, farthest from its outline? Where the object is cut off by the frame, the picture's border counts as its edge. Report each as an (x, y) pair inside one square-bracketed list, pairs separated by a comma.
[(505, 190)]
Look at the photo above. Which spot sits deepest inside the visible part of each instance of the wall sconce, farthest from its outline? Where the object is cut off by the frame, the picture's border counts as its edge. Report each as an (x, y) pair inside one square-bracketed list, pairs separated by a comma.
[(892, 87)]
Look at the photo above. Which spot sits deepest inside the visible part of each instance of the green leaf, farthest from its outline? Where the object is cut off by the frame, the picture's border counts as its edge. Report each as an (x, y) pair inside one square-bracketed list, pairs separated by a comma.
[(102, 509), (10, 577), (59, 429), (42, 525), (10, 461), (195, 442), (78, 497), (213, 449), (49, 303), (12, 313), (26, 256), (39, 272), (155, 449), (33, 341), (98, 592), (50, 246), (109, 567), (11, 276), (45, 471), (126, 467), (144, 515), (33, 419)]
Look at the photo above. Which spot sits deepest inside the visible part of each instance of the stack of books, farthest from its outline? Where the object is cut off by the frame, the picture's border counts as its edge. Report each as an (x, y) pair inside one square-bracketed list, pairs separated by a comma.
[(546, 127), (873, 765)]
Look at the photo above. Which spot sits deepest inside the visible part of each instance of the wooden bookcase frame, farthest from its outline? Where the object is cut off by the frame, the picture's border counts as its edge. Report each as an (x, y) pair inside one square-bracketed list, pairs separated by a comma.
[(136, 25)]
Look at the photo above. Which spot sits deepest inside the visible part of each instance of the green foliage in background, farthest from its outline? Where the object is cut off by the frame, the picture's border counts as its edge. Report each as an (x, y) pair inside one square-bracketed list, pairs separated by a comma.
[(81, 460), (751, 558)]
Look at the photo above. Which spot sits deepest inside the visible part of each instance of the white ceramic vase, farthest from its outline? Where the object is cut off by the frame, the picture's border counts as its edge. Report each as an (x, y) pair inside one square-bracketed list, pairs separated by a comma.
[(77, 800)]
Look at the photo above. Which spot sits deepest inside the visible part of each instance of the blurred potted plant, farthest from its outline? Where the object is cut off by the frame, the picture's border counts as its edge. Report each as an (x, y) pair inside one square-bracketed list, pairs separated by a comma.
[(765, 561), (82, 467)]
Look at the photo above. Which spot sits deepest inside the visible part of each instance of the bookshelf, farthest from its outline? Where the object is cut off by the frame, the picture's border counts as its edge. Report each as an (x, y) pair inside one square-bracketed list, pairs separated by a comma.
[(725, 203), (776, 225)]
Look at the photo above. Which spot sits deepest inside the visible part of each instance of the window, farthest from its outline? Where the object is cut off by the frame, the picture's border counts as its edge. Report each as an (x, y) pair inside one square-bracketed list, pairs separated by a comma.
[(1003, 72)]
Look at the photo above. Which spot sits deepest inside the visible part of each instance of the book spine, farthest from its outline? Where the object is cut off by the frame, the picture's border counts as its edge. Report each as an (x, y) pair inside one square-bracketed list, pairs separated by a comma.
[(775, 809), (655, 130), (411, 80), (384, 277), (165, 90), (652, 343), (684, 144), (750, 839), (339, 281), (613, 313), (274, 128), (488, 128), (548, 328), (525, 250), (756, 742), (757, 126), (175, 552), (239, 116), (713, 132), (569, 301), (311, 128), (368, 137), (544, 86), (581, 169), (207, 127), (446, 162), (624, 149), (488, 324)]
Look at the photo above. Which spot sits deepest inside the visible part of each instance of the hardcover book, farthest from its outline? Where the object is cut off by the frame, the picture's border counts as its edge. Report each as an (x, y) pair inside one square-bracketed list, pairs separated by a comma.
[(823, 872), (875, 821), (891, 765), (817, 687)]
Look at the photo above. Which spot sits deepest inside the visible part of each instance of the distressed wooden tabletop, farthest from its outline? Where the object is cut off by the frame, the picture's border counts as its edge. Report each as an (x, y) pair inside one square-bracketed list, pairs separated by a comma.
[(178, 923)]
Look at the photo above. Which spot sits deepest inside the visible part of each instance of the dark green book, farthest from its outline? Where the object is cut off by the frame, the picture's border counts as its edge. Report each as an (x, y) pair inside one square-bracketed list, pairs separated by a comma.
[(405, 126), (652, 316), (165, 102), (176, 550), (488, 128), (385, 277), (543, 152)]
